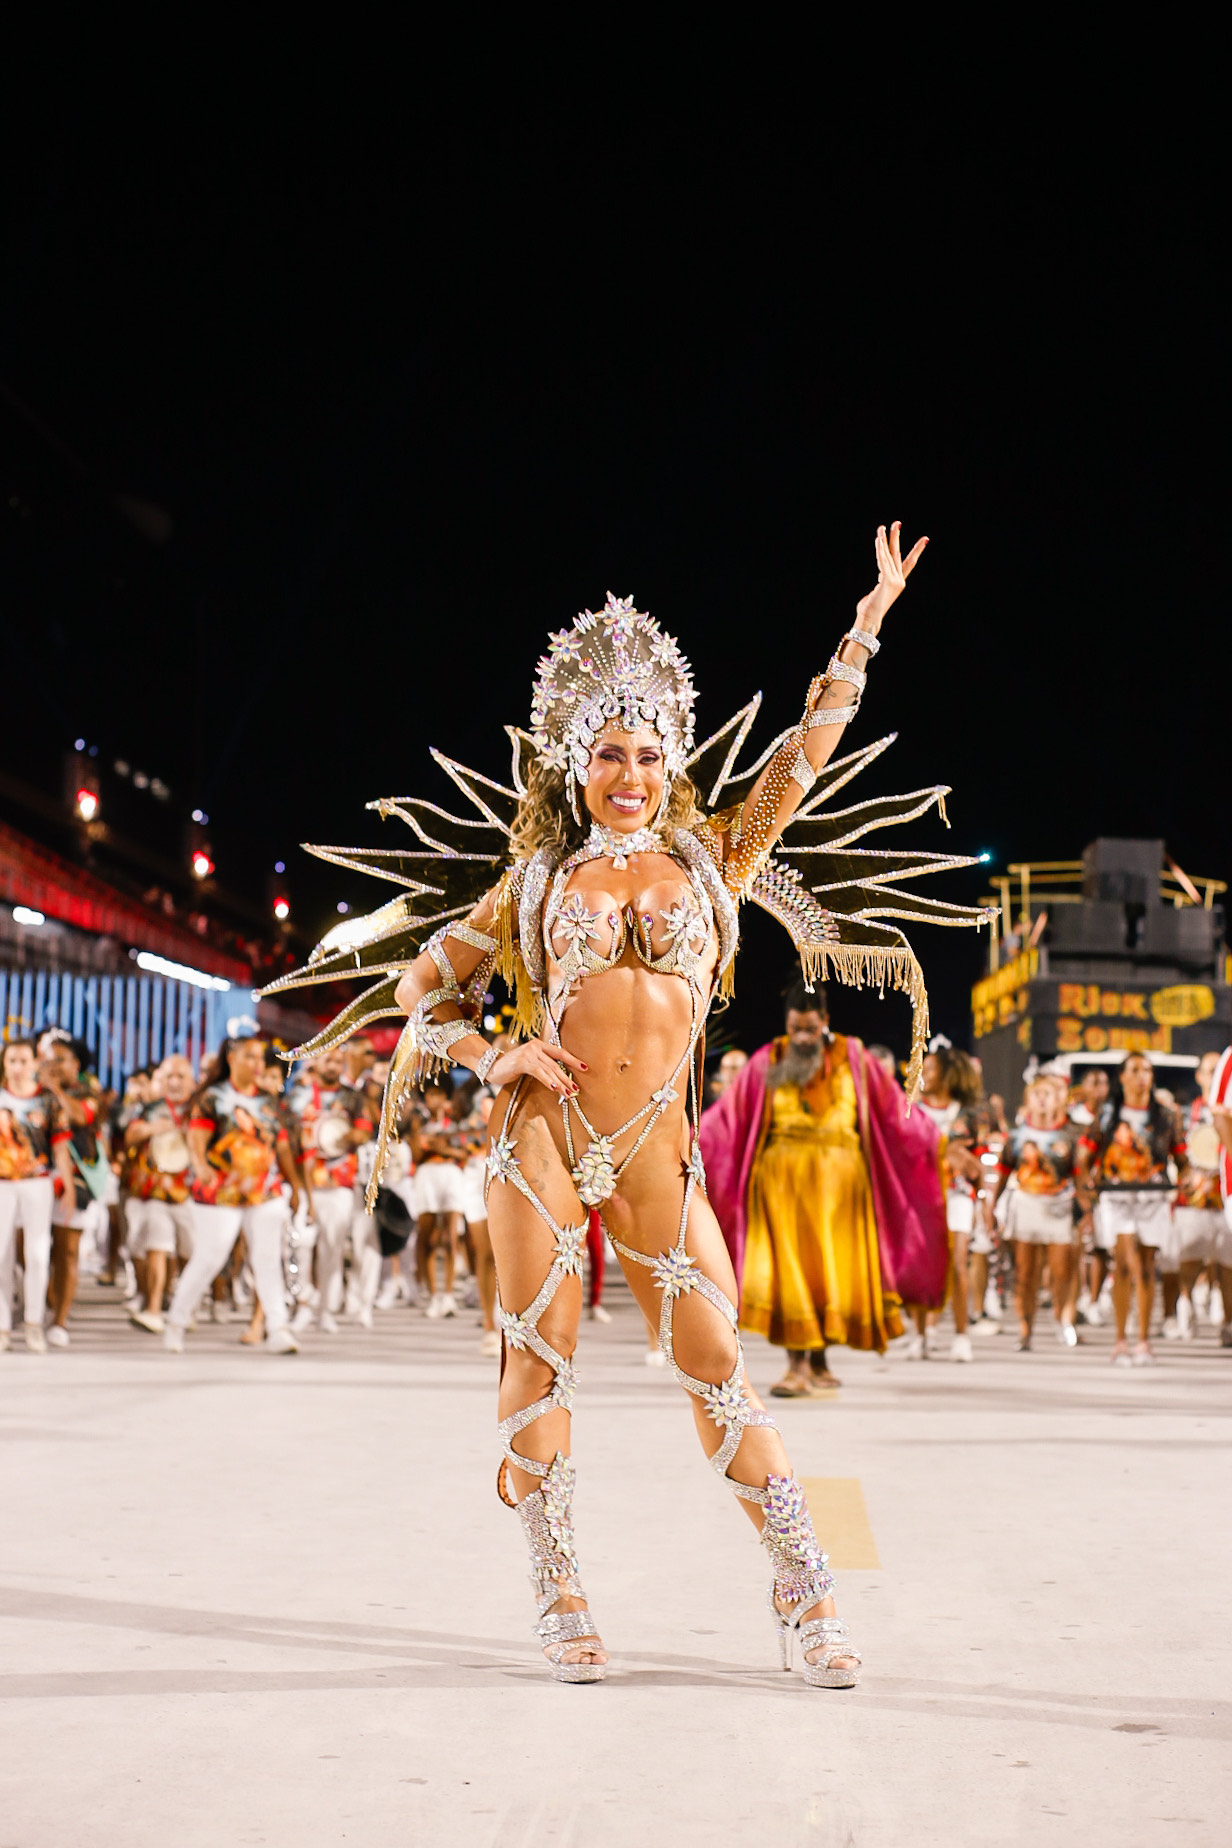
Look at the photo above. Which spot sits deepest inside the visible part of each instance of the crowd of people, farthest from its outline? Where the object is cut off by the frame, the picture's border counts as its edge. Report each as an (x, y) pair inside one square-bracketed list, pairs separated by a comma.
[(1103, 1197), (1104, 1193), (241, 1194)]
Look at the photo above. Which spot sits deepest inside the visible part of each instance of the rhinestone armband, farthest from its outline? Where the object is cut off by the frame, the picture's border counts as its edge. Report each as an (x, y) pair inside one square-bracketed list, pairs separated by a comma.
[(840, 670), (864, 638), (486, 1063), (832, 715)]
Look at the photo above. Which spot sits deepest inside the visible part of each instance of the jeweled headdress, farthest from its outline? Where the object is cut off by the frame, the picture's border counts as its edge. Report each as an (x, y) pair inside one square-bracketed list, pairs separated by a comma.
[(617, 665)]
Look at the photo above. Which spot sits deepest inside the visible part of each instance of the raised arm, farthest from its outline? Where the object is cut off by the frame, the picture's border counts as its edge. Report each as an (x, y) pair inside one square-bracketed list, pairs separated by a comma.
[(433, 994), (833, 700)]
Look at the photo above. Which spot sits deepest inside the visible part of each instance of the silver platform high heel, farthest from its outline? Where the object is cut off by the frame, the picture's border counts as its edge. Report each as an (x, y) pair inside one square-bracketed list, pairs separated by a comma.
[(801, 1580), (547, 1522)]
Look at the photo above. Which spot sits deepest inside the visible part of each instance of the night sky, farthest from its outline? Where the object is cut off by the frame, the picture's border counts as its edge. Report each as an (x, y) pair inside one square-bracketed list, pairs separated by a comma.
[(315, 445)]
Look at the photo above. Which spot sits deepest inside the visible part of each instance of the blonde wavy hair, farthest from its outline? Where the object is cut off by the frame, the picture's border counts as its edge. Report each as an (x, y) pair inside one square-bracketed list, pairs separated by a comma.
[(544, 818)]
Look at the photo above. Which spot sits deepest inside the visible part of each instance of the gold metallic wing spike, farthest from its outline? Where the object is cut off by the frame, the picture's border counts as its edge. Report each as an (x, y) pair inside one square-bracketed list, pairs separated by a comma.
[(444, 881), (398, 865), (838, 773), (402, 1071), (711, 763), (525, 751), (746, 776), (376, 1003), (437, 828), (375, 927), (866, 901), (395, 946), (839, 827), (498, 806), (872, 868)]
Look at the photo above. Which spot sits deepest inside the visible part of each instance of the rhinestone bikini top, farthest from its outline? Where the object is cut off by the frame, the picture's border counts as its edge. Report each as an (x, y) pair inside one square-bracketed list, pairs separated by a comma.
[(688, 919)]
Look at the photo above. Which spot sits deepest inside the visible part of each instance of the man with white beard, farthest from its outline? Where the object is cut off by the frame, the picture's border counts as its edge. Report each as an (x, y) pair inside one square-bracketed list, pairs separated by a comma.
[(827, 1193)]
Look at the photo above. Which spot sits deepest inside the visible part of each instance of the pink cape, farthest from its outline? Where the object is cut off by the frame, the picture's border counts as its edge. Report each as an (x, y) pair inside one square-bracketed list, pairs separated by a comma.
[(901, 1152)]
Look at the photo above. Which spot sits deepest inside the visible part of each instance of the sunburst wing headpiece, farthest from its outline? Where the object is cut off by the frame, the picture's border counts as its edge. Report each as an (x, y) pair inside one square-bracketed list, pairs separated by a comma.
[(614, 665), (835, 900)]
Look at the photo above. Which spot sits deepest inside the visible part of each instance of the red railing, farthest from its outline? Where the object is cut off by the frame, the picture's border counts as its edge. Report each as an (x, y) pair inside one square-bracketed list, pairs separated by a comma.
[(33, 875)]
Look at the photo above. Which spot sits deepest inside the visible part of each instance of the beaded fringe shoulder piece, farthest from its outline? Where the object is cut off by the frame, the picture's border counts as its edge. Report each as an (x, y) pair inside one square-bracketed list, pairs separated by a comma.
[(833, 899)]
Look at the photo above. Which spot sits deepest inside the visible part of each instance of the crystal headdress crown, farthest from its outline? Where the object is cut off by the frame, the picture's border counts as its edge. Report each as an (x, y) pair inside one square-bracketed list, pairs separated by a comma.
[(619, 665)]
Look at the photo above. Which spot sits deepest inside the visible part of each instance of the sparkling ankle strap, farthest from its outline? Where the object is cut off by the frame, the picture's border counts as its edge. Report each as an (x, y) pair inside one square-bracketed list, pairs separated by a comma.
[(547, 1522), (800, 1570)]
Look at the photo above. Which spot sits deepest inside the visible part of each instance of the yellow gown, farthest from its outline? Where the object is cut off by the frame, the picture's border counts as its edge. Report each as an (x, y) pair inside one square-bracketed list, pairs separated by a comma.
[(812, 1269)]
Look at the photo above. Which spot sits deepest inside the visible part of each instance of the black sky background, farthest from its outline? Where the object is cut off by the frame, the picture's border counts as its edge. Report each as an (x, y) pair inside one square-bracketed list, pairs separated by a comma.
[(409, 400)]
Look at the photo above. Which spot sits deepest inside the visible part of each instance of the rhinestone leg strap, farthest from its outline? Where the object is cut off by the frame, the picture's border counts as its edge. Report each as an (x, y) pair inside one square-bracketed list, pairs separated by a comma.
[(521, 1331), (676, 1274)]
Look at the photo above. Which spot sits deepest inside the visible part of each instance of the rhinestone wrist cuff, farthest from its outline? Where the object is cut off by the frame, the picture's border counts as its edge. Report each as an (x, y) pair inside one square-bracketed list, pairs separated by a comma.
[(864, 638), (486, 1063)]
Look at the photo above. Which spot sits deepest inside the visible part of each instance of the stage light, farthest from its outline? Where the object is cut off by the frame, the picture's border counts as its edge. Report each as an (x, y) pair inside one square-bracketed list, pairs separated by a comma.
[(87, 804), (180, 972), (79, 744), (280, 866), (22, 914), (197, 815), (282, 908), (202, 865), (343, 906)]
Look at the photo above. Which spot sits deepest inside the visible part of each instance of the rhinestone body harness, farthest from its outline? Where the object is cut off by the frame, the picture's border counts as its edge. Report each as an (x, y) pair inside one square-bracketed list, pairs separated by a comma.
[(566, 930)]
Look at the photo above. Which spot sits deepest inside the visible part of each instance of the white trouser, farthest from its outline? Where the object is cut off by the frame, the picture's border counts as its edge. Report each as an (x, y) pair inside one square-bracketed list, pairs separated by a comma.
[(333, 1207), (215, 1230), (365, 1250), (30, 1202), (159, 1225)]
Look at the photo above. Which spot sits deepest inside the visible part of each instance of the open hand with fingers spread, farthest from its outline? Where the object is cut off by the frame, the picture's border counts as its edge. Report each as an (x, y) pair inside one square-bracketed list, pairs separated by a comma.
[(893, 570)]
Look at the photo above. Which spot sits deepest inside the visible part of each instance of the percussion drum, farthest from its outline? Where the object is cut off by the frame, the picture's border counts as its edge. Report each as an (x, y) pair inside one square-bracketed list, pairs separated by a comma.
[(169, 1151), (332, 1131)]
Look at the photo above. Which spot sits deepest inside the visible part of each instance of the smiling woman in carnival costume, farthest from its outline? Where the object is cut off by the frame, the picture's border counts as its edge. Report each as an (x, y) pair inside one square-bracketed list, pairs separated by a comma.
[(604, 888)]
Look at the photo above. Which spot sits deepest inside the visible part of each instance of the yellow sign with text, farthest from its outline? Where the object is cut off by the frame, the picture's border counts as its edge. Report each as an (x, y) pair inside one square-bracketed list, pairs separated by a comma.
[(1091, 1018), (999, 999)]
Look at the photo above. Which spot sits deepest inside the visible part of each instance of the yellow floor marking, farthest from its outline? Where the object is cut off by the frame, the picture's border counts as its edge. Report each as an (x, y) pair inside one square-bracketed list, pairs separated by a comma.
[(836, 1504)]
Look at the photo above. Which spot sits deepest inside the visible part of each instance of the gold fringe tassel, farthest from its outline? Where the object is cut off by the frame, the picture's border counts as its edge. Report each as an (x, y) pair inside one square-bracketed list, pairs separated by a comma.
[(509, 964), (856, 966)]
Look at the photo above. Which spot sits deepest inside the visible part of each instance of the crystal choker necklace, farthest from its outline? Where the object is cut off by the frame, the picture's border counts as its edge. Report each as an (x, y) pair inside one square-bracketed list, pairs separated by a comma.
[(604, 842)]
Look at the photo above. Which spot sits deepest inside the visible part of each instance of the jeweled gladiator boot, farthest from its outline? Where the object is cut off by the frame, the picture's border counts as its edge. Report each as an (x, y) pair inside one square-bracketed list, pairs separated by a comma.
[(802, 1580), (547, 1522)]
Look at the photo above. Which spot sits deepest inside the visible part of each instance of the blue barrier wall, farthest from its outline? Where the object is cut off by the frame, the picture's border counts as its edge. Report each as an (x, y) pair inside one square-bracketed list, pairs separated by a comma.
[(127, 1021)]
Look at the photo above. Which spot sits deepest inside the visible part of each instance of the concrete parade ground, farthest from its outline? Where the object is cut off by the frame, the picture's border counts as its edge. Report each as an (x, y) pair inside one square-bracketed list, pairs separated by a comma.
[(1033, 1553)]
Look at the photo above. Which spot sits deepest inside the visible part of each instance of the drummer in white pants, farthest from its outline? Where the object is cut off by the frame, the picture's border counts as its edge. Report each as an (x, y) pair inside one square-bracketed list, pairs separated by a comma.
[(437, 1144), (157, 1179), (1126, 1156), (334, 1122), (1198, 1226), (241, 1154), (33, 1141), (1037, 1175)]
